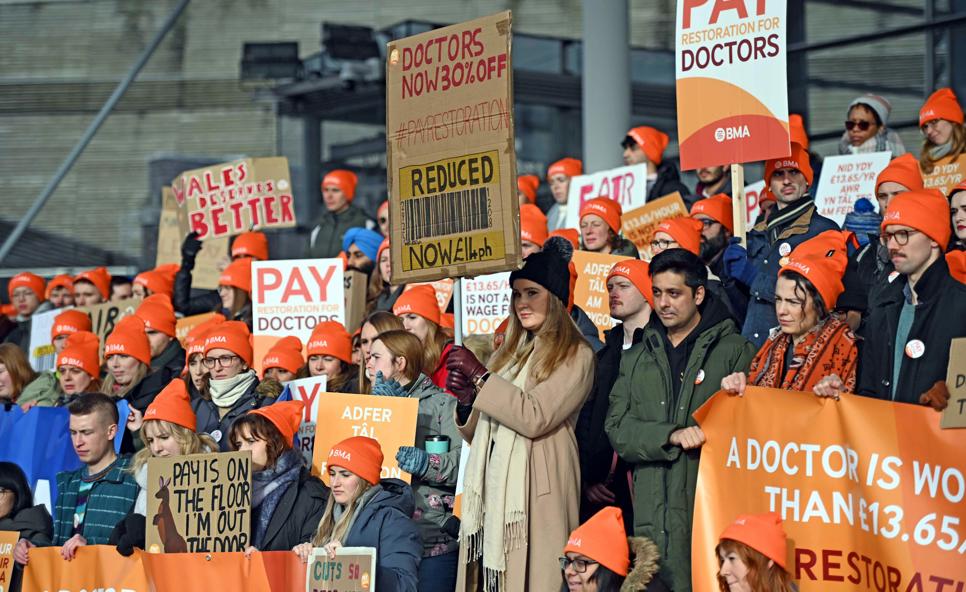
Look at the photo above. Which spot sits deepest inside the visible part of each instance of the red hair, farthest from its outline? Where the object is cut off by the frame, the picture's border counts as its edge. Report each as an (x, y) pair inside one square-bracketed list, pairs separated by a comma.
[(762, 577)]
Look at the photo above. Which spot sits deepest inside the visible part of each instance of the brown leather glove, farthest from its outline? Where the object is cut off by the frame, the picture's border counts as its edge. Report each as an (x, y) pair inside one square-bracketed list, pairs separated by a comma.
[(464, 371), (936, 397)]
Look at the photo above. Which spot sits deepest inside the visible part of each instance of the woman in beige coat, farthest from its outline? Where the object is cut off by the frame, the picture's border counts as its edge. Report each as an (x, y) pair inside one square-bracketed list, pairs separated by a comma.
[(522, 483)]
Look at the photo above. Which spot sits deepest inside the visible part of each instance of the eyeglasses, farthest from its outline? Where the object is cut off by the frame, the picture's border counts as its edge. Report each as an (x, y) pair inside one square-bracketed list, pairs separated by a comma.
[(223, 361), (901, 237), (663, 244), (862, 125), (580, 565)]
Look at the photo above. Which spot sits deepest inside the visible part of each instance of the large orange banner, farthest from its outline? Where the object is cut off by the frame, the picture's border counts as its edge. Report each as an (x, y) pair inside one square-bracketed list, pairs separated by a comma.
[(871, 492)]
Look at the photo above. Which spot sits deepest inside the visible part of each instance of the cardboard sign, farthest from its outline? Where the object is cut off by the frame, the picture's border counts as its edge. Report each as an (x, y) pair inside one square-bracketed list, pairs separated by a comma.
[(638, 225), (210, 260), (946, 175), (590, 291), (451, 157), (8, 539), (235, 197), (352, 570), (627, 185), (105, 315), (486, 302), (291, 298), (846, 179), (199, 503), (857, 482), (356, 286), (390, 420), (955, 414), (41, 353), (443, 289), (732, 91), (185, 325), (307, 390)]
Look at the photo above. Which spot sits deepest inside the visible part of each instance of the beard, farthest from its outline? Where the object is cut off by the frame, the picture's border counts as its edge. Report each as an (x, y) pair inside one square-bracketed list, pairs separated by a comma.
[(711, 248)]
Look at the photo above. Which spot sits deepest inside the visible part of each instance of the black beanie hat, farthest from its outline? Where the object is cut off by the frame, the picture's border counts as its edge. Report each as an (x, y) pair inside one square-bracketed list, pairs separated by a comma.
[(549, 268)]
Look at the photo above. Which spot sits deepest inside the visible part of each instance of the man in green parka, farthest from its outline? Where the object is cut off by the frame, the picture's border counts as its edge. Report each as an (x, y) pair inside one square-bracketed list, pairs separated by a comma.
[(688, 346)]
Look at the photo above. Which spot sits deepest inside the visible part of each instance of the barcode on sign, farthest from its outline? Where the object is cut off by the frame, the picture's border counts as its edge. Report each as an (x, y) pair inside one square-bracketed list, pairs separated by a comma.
[(446, 213)]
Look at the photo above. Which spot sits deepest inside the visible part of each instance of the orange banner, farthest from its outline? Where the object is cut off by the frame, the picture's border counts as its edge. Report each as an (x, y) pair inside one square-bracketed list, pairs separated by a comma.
[(871, 492), (590, 291)]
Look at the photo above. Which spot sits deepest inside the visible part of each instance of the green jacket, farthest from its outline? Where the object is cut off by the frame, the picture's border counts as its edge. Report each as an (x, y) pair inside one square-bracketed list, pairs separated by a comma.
[(326, 239), (43, 390), (642, 415)]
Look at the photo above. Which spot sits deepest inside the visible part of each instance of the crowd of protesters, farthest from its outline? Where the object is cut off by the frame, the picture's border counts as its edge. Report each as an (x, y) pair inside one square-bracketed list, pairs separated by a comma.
[(584, 453)]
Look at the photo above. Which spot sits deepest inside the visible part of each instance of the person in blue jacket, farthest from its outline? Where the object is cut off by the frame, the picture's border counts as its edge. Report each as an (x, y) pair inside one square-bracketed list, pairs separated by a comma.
[(364, 511)]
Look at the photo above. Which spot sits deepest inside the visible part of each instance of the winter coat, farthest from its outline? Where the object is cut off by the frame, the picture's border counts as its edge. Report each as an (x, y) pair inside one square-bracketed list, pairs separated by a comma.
[(385, 523), (326, 238), (110, 500), (170, 361), (435, 491), (643, 414), (556, 217), (626, 249), (43, 390), (645, 563), (297, 514), (700, 188), (191, 302), (587, 328), (546, 413), (20, 334), (33, 524), (768, 242), (938, 320), (734, 291), (668, 181), (210, 422), (387, 298)]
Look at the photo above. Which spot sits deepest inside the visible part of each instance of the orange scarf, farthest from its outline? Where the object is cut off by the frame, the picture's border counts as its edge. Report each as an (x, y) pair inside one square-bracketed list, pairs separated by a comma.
[(828, 348)]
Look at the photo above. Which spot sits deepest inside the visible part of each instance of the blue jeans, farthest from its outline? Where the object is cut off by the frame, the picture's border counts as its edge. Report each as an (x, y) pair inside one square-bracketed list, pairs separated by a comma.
[(438, 574)]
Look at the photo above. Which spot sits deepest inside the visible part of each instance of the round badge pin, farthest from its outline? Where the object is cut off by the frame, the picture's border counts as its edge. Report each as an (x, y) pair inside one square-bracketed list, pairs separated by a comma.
[(699, 378), (893, 276), (216, 435), (784, 249), (783, 261), (915, 349)]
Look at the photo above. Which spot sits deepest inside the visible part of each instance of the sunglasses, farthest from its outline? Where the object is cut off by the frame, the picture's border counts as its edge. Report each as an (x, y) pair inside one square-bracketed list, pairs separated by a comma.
[(862, 125)]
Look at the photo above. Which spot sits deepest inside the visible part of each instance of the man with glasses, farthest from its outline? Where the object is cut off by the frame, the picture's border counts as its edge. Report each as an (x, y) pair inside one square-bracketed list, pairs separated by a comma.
[(795, 220), (923, 310)]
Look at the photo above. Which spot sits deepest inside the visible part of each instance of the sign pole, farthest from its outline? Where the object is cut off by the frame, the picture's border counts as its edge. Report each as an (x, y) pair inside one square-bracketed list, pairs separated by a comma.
[(739, 205), (458, 312)]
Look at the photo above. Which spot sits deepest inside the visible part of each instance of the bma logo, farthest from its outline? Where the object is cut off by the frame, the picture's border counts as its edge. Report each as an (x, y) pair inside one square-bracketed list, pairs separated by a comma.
[(731, 133)]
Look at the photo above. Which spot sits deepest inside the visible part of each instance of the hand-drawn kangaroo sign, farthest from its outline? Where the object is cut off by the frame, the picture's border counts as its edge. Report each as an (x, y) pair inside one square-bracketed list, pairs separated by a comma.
[(199, 503)]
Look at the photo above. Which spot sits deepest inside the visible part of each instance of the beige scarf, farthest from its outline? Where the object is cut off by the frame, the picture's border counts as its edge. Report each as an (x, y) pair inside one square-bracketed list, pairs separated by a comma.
[(496, 492)]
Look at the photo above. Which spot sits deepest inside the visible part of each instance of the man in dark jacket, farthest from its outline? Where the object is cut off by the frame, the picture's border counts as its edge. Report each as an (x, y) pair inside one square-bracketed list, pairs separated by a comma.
[(338, 191), (712, 181), (677, 366), (716, 215), (605, 476), (795, 221), (645, 145), (920, 314)]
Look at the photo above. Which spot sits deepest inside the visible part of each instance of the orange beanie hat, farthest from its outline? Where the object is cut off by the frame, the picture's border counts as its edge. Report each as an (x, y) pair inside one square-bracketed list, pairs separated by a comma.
[(798, 160), (903, 170), (822, 260), (157, 314), (285, 354), (957, 189), (569, 234), (533, 224), (238, 274), (652, 142), (927, 211), (344, 180), (527, 185), (796, 130), (686, 231), (159, 280), (941, 104), (383, 210), (32, 281), (956, 260), (636, 271), (128, 338), (602, 539), (173, 405), (761, 532), (570, 167), (82, 350), (233, 336), (607, 209), (194, 341), (250, 244), (382, 247), (718, 208), (70, 322), (60, 281), (330, 338), (359, 455), (419, 300), (100, 278), (285, 416)]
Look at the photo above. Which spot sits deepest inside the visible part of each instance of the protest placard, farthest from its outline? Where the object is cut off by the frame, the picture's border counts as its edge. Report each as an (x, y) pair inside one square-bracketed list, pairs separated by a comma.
[(41, 351), (184, 325), (946, 174), (955, 414), (870, 492), (291, 297), (105, 315), (235, 197), (732, 95), (390, 420), (199, 503), (443, 289), (451, 155), (845, 179), (209, 261), (8, 539), (356, 284), (753, 195), (590, 291), (638, 225), (352, 570), (308, 391), (627, 185), (486, 302)]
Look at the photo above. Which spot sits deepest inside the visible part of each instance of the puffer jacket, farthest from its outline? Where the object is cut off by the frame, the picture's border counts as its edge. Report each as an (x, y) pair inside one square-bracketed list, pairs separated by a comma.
[(644, 412)]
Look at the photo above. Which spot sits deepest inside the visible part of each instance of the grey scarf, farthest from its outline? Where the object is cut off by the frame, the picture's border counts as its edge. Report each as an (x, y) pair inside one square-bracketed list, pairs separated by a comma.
[(269, 485)]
